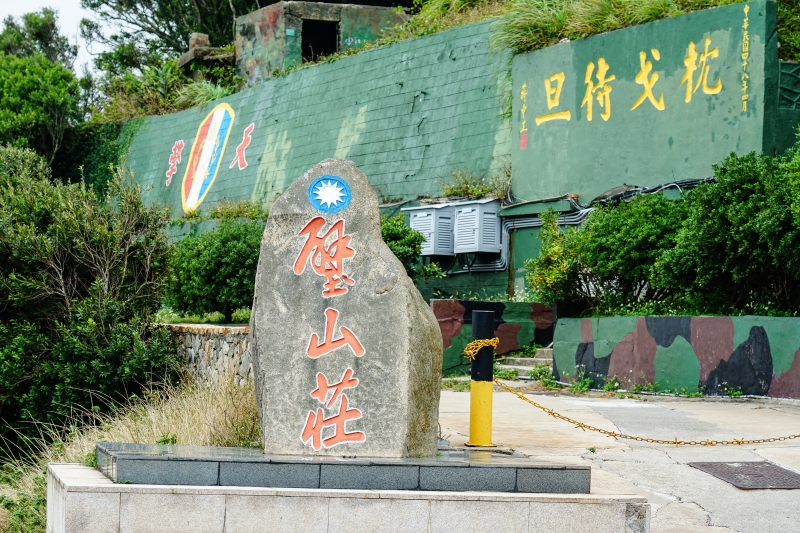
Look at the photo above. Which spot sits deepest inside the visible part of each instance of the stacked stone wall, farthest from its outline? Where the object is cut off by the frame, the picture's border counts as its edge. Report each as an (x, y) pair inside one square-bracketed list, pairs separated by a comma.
[(213, 354)]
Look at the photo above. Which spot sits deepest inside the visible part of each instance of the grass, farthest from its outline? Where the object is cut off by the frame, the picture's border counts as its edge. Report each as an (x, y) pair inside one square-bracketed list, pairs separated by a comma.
[(166, 315), (581, 384), (464, 184), (528, 350), (544, 374), (505, 373), (193, 415), (456, 385), (433, 16)]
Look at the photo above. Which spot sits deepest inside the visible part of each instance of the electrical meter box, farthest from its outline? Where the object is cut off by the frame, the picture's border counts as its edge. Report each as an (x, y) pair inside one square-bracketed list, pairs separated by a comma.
[(477, 227), (435, 222)]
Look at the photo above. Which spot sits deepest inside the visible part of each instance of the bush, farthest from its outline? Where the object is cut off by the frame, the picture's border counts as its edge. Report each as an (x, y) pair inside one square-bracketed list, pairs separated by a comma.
[(728, 247), (738, 251), (79, 277), (216, 270), (406, 244)]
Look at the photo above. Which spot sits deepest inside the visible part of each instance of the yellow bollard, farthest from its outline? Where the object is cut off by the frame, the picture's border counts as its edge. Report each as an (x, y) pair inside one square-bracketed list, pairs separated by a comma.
[(481, 385), (480, 413)]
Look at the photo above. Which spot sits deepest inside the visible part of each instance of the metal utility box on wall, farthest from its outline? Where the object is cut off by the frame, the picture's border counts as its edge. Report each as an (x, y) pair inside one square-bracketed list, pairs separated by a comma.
[(435, 222), (477, 227)]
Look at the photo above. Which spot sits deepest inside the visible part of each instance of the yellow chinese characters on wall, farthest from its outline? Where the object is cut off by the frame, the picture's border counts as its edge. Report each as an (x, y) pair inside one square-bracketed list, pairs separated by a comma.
[(552, 88), (600, 90), (700, 67)]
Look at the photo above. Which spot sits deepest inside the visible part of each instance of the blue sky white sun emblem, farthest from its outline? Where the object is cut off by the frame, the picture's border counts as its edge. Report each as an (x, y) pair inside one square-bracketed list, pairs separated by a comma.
[(329, 194)]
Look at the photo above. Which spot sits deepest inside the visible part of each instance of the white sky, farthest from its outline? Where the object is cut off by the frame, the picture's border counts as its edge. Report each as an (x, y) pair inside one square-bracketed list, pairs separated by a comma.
[(69, 19)]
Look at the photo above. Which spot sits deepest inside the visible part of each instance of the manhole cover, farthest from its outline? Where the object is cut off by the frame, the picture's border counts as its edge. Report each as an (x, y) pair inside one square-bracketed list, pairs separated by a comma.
[(752, 475)]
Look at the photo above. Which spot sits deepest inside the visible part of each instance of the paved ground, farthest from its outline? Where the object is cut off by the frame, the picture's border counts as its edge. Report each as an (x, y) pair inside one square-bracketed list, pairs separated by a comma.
[(683, 499)]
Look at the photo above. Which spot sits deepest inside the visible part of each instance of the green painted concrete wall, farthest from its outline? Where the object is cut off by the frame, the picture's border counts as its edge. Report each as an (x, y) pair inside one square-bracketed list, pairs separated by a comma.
[(663, 138), (406, 114)]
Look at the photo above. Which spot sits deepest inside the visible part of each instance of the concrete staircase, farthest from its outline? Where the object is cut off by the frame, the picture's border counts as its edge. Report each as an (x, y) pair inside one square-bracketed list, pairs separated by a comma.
[(544, 356)]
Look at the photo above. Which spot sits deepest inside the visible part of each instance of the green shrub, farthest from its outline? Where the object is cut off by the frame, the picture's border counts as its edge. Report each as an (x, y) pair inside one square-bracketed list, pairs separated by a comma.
[(526, 350), (505, 373), (738, 250), (612, 384), (544, 374), (727, 247), (406, 244), (79, 277), (216, 270)]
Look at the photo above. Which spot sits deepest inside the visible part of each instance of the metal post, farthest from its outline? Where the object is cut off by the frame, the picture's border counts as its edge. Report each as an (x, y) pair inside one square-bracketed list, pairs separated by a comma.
[(481, 386)]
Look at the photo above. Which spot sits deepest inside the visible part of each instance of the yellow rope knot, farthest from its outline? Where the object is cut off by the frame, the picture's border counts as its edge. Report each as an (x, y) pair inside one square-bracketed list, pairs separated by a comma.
[(471, 350)]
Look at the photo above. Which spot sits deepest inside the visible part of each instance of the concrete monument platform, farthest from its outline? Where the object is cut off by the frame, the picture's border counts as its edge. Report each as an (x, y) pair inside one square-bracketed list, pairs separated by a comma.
[(451, 470), (82, 500)]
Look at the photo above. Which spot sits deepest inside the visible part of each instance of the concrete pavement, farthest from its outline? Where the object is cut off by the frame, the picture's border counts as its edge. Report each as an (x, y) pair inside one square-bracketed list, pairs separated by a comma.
[(683, 499)]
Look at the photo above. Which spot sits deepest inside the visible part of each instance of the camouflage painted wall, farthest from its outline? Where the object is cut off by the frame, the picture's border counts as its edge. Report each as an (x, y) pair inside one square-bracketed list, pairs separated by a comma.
[(270, 38), (406, 114), (516, 324), (645, 105), (759, 354)]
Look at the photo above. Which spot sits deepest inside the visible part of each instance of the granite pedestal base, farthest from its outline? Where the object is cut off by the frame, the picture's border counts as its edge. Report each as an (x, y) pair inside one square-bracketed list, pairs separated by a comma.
[(81, 500), (458, 471)]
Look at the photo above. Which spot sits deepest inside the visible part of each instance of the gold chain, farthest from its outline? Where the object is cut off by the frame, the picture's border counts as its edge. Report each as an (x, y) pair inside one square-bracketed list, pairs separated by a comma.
[(471, 350), (616, 435)]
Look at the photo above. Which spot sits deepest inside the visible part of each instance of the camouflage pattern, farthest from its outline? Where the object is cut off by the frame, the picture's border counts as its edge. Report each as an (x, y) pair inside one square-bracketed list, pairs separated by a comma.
[(516, 324), (760, 355)]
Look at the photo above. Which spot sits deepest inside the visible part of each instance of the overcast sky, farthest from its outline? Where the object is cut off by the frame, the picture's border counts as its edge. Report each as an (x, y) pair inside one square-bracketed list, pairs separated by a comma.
[(69, 19)]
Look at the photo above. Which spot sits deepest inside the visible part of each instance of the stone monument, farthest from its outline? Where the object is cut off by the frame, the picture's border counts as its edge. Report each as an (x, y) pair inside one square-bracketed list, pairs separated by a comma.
[(347, 354)]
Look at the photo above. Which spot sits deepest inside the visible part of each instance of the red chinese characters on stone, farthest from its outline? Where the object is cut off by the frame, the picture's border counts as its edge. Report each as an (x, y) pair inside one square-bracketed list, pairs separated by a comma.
[(347, 338), (326, 251), (174, 159), (316, 422), (322, 390)]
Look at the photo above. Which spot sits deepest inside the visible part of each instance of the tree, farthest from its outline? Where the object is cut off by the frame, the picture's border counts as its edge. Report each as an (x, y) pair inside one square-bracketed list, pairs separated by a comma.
[(37, 34), (149, 30), (38, 102)]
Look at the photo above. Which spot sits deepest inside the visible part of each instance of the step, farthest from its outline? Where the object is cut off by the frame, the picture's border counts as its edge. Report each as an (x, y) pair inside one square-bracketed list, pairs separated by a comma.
[(80, 499), (521, 370), (527, 361)]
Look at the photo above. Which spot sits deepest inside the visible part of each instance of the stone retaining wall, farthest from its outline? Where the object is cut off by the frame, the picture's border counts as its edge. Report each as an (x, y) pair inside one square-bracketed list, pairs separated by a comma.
[(214, 353)]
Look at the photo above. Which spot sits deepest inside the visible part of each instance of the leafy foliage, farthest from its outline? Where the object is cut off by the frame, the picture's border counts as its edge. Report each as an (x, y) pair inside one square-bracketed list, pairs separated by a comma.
[(463, 183), (406, 244), (37, 34), (556, 273), (79, 275), (91, 152), (228, 209), (160, 28), (38, 102), (154, 92), (729, 247), (216, 270), (740, 245)]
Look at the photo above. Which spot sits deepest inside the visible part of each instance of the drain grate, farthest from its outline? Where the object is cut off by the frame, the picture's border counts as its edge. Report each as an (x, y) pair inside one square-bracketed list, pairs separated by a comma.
[(752, 475)]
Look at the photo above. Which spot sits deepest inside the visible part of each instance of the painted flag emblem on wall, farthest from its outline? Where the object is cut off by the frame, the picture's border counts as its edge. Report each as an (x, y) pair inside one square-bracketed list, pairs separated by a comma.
[(205, 157)]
